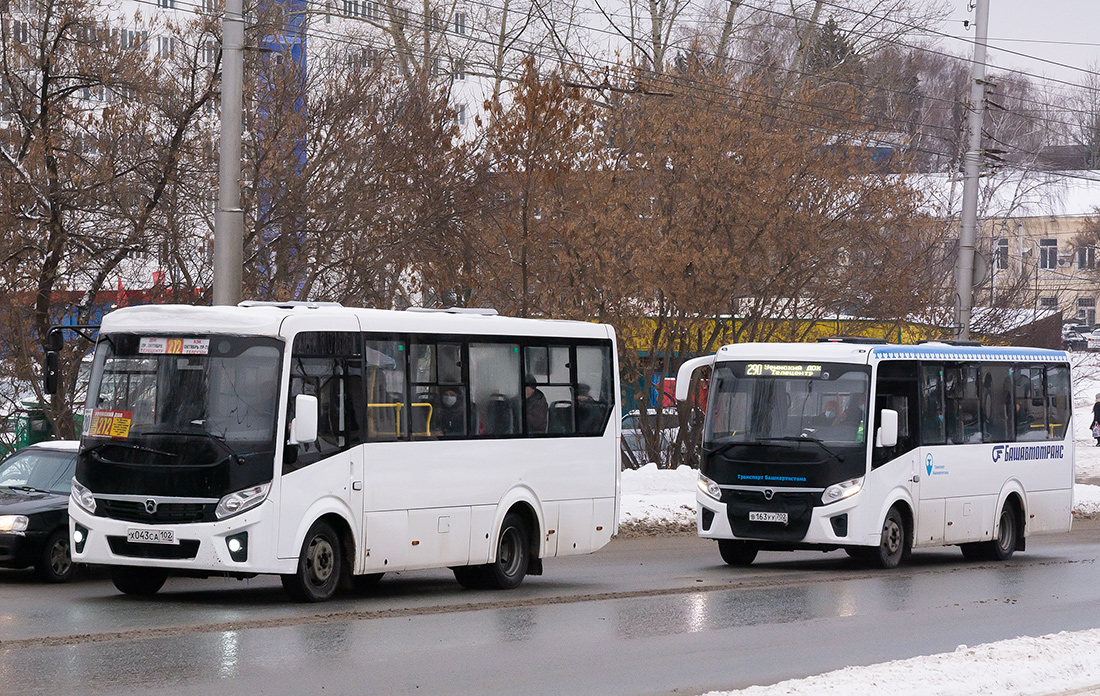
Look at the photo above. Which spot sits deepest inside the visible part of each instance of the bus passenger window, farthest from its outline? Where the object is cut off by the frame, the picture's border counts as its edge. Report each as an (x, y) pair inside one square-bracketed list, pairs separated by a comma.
[(384, 383), (495, 387), (1058, 393), (997, 411), (594, 372), (932, 413), (1030, 412)]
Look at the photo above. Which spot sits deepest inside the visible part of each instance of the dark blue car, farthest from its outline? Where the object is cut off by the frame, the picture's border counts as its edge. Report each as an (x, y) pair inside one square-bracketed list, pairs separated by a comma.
[(34, 517)]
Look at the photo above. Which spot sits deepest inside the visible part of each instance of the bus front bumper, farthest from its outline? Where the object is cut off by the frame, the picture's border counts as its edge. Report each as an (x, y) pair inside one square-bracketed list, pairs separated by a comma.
[(827, 525), (240, 545)]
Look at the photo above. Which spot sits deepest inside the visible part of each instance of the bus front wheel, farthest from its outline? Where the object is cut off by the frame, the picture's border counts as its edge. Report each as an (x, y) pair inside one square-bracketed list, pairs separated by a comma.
[(894, 541), (140, 582), (737, 553), (319, 566)]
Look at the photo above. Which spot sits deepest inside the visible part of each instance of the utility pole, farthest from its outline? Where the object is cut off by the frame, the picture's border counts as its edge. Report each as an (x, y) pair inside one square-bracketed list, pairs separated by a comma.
[(972, 161), (229, 221)]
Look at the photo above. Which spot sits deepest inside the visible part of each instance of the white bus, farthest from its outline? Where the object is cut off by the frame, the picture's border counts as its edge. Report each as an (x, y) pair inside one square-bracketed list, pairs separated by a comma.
[(330, 445), (963, 445)]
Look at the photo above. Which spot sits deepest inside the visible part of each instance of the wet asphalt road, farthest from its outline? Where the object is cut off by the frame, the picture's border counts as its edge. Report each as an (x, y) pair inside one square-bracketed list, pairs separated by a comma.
[(642, 616)]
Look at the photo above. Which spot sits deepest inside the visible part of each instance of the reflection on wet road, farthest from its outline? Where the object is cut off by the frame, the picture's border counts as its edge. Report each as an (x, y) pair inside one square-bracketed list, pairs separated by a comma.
[(650, 618)]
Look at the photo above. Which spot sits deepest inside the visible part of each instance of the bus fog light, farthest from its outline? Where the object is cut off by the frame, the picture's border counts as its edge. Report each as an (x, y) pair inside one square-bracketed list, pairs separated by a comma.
[(236, 503), (842, 490), (238, 547), (80, 537), (709, 487)]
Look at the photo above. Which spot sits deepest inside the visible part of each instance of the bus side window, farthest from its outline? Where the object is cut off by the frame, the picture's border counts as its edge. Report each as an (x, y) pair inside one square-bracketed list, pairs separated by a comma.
[(495, 387), (317, 369), (594, 373), (384, 384), (932, 427), (1031, 416), (1058, 391), (997, 411)]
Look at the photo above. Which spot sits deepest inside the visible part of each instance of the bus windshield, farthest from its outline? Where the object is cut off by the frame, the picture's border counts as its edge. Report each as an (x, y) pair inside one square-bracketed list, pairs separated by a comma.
[(756, 402), (224, 387)]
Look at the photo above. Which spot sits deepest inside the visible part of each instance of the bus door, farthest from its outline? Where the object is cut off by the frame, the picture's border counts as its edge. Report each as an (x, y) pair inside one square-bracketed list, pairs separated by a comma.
[(897, 388), (329, 471)]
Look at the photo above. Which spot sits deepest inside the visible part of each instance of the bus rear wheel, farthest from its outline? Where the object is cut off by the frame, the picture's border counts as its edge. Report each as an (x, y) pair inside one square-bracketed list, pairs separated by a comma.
[(737, 553), (140, 582), (1001, 547), (509, 568), (894, 541), (319, 566)]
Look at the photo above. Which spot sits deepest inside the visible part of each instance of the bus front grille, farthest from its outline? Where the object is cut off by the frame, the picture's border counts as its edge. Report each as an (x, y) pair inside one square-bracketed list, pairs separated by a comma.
[(798, 506), (166, 513)]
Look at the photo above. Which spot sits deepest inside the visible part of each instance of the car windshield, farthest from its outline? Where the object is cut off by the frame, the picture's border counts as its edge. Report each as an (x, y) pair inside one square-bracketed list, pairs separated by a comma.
[(767, 402), (38, 469), (223, 386)]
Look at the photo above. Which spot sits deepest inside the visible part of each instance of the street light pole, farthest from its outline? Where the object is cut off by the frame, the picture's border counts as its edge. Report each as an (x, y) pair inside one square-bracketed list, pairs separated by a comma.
[(229, 221), (972, 160)]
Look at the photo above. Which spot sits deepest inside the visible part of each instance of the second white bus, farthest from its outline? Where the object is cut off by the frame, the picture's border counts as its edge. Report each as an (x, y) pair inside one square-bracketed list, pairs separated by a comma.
[(879, 449), (330, 445)]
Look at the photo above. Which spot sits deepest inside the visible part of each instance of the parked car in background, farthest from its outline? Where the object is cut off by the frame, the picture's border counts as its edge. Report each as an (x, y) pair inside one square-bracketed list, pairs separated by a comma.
[(1076, 337), (663, 422), (34, 516)]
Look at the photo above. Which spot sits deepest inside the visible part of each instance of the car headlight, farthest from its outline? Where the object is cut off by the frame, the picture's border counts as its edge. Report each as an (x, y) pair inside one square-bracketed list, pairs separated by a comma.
[(842, 490), (236, 503), (83, 496), (709, 487), (13, 523)]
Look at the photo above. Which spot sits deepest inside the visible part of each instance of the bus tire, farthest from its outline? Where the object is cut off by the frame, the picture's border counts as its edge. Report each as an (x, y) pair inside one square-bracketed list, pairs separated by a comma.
[(1002, 546), (55, 564), (737, 553), (894, 541), (319, 566), (139, 582), (507, 571)]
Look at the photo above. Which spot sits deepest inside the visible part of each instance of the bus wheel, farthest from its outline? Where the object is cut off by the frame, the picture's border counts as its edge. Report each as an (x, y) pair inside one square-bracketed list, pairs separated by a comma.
[(140, 582), (55, 564), (513, 555), (319, 566), (894, 540), (999, 548), (737, 553)]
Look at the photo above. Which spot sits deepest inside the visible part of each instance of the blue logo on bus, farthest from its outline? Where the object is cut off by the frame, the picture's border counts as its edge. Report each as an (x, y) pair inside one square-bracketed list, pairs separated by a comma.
[(928, 463), (1025, 453), (998, 452)]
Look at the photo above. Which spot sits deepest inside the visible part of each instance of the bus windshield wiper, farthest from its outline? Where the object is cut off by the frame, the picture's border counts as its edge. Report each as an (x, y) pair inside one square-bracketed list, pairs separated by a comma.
[(128, 445), (28, 489), (801, 438), (722, 448)]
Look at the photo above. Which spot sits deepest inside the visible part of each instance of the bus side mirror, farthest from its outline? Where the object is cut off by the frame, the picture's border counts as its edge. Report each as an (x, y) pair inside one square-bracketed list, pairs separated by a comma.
[(303, 428), (887, 429), (683, 375), (49, 372)]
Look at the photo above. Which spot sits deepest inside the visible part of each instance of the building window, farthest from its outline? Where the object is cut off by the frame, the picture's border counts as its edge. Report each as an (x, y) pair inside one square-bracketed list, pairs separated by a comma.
[(458, 68), (460, 23), (209, 52), (1048, 302), (374, 11), (1000, 255), (166, 4), (1048, 253), (1086, 310), (1086, 257), (460, 114)]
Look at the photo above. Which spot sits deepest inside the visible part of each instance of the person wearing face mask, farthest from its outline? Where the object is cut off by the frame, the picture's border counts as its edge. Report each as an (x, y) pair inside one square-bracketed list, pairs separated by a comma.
[(452, 412), (829, 415)]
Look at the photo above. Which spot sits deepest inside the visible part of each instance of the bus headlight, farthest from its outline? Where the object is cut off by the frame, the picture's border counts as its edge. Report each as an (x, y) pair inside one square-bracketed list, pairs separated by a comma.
[(83, 497), (236, 503), (842, 490), (15, 524), (709, 487)]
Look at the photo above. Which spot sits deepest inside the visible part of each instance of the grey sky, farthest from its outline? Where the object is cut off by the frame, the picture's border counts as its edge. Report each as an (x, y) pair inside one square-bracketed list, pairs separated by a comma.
[(1040, 23)]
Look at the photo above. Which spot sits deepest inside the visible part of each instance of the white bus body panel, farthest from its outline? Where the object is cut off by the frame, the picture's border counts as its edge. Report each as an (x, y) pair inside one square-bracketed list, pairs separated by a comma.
[(409, 504)]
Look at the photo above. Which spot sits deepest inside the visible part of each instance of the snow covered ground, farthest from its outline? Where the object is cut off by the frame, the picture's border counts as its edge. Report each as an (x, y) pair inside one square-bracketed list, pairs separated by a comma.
[(1061, 663)]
